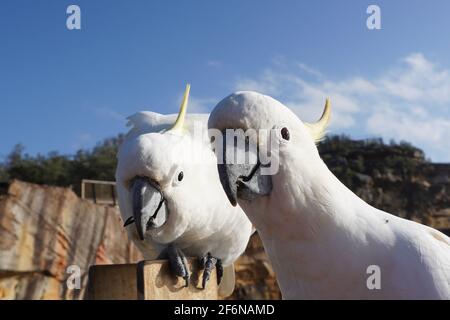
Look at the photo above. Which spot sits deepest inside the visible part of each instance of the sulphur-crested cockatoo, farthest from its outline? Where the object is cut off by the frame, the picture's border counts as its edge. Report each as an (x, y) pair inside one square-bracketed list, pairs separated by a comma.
[(324, 241), (171, 199)]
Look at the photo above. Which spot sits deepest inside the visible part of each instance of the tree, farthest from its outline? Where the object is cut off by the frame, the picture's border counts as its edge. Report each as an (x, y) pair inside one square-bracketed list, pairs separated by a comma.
[(63, 170)]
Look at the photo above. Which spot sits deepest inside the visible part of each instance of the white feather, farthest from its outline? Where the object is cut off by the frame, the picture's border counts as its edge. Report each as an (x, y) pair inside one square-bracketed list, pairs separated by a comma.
[(320, 237), (201, 219), (146, 121)]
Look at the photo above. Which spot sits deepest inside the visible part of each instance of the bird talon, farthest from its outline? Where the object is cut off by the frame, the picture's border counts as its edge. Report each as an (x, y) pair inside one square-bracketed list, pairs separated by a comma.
[(177, 261), (208, 262)]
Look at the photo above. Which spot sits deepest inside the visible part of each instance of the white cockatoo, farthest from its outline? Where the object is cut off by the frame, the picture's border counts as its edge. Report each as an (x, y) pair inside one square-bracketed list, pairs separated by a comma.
[(323, 241), (171, 199)]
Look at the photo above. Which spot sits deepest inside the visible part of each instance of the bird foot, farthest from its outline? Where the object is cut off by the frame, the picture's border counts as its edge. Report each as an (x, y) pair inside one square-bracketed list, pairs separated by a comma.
[(177, 262), (208, 263)]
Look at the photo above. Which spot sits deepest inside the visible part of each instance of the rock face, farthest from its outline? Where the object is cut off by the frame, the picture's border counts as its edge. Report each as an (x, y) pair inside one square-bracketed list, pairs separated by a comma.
[(44, 230), (255, 278)]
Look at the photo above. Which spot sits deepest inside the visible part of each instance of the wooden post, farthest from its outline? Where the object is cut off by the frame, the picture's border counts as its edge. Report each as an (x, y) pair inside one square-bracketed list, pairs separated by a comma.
[(148, 280)]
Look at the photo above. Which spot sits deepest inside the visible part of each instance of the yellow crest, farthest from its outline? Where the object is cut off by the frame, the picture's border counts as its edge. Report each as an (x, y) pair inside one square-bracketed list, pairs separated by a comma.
[(318, 129), (179, 123)]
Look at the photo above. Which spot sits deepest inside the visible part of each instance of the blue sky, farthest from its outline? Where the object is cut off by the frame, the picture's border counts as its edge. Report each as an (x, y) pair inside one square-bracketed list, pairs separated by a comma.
[(64, 90)]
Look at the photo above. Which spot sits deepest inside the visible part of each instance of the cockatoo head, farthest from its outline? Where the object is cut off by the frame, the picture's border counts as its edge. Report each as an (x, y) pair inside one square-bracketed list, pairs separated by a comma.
[(278, 135), (158, 183)]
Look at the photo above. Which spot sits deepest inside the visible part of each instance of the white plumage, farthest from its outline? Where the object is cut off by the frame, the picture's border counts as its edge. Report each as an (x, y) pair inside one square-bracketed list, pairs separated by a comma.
[(320, 237), (200, 219)]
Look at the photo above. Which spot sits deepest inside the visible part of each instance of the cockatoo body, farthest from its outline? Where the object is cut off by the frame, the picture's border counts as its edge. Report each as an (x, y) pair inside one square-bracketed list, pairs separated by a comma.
[(171, 198), (323, 241)]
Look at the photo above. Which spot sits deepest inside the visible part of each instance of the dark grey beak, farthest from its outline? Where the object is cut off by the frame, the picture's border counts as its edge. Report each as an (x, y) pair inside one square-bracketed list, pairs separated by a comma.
[(242, 180), (149, 208)]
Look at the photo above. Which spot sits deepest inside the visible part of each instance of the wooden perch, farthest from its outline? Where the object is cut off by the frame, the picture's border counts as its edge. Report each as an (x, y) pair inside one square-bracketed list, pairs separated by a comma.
[(148, 280)]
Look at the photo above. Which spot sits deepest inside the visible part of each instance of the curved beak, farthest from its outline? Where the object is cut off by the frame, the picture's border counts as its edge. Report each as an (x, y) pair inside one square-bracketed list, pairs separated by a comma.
[(149, 208), (242, 180)]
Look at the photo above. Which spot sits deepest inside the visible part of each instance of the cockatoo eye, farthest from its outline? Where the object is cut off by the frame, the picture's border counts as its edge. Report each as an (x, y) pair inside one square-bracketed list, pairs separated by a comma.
[(285, 134), (177, 177)]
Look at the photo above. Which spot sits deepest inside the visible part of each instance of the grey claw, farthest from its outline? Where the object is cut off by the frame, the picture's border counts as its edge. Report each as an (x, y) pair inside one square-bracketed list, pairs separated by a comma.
[(178, 262), (209, 262)]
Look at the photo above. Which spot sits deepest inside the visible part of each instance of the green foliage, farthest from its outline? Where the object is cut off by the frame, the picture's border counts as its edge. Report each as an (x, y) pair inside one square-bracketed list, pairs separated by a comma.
[(346, 157), (60, 170)]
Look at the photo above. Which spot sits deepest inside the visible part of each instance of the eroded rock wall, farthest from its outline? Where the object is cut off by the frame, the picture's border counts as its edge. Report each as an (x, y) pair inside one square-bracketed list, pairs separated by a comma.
[(44, 230)]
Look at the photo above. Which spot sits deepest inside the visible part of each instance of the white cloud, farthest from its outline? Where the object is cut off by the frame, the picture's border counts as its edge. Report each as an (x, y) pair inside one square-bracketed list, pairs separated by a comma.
[(309, 70), (419, 80), (410, 101), (201, 105), (417, 127), (214, 63)]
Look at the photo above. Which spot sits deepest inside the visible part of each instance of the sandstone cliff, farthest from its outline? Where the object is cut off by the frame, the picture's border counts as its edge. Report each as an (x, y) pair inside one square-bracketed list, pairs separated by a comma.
[(43, 230)]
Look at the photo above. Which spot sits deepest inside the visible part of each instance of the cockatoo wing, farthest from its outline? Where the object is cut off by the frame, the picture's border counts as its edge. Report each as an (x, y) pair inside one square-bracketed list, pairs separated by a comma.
[(435, 250)]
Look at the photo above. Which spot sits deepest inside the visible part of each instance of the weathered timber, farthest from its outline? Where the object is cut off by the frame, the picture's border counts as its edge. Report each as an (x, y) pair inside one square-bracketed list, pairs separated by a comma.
[(148, 280)]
